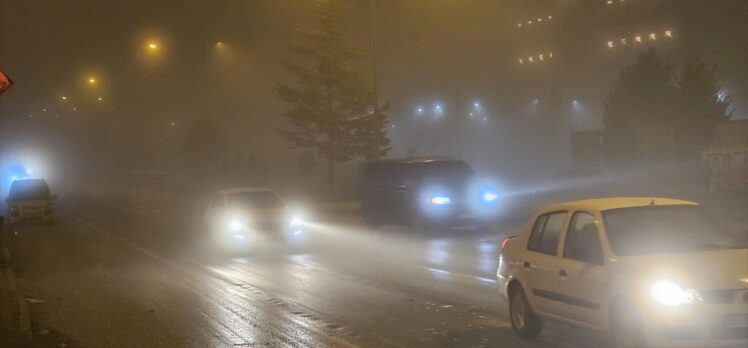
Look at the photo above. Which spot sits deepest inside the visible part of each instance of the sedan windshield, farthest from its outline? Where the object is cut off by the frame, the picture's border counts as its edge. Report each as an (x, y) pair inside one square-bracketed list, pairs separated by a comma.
[(665, 229), (254, 200), (29, 190)]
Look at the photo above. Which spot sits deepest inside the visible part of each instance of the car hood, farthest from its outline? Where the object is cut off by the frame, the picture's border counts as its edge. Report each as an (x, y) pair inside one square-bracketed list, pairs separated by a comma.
[(703, 270), (263, 216), (30, 203)]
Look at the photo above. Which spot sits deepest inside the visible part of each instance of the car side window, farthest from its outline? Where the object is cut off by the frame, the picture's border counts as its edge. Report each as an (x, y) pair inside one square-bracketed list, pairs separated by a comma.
[(583, 240), (537, 232), (545, 239)]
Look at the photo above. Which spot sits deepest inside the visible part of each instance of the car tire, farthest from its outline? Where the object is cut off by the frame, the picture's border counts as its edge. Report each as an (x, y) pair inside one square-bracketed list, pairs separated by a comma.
[(525, 323), (625, 327)]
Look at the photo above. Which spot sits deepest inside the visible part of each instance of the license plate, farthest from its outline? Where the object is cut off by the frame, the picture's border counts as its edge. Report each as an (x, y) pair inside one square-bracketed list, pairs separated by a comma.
[(739, 320)]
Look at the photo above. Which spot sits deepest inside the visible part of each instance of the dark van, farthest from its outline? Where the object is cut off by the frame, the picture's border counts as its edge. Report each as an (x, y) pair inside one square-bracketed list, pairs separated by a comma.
[(425, 192)]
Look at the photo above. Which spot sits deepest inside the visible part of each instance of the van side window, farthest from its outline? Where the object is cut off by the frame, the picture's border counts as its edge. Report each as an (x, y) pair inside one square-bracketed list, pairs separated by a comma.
[(546, 233)]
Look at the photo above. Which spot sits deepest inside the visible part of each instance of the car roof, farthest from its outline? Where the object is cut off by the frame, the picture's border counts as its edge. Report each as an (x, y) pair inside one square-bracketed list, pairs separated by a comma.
[(29, 182), (228, 191), (602, 204)]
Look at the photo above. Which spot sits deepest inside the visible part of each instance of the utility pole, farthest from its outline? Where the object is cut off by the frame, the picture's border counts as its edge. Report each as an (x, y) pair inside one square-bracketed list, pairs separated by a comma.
[(373, 33)]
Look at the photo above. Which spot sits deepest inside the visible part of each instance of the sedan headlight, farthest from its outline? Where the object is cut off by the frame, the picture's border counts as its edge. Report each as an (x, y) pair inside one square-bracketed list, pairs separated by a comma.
[(296, 221), (671, 294), (236, 226)]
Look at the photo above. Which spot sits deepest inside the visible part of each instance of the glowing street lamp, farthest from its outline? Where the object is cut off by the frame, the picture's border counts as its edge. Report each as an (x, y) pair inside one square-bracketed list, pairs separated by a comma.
[(64, 98), (100, 98), (91, 81)]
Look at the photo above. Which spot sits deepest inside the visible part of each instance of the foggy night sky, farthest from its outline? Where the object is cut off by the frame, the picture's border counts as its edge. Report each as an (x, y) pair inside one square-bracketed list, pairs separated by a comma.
[(429, 50)]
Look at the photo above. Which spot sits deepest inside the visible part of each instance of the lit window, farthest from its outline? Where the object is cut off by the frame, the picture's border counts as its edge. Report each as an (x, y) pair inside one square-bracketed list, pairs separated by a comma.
[(668, 33), (521, 61), (550, 17), (610, 44), (540, 57), (623, 41), (610, 2), (653, 36), (529, 22), (638, 39), (539, 20), (529, 59)]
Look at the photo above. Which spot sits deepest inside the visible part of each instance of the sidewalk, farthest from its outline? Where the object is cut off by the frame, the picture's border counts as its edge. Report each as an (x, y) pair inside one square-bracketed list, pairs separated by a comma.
[(15, 321)]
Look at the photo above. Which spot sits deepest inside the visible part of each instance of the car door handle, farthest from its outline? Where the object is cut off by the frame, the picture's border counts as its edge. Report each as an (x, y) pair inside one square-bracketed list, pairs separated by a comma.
[(526, 264), (562, 272)]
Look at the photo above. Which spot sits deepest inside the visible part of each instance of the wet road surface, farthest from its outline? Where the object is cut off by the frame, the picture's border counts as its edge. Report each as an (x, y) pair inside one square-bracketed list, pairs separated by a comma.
[(113, 275)]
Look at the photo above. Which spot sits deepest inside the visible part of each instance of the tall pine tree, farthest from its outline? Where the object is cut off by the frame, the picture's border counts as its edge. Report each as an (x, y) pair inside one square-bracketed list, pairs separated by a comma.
[(331, 110)]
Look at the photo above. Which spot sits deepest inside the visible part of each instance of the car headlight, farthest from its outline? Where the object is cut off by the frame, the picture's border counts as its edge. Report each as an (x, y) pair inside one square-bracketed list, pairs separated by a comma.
[(235, 226), (441, 200), (490, 196), (671, 294), (295, 221)]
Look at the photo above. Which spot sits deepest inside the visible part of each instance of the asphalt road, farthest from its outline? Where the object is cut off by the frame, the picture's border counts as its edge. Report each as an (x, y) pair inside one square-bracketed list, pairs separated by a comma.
[(114, 276)]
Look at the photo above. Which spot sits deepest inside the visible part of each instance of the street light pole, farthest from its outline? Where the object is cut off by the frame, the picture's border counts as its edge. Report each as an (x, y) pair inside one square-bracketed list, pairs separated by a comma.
[(373, 33)]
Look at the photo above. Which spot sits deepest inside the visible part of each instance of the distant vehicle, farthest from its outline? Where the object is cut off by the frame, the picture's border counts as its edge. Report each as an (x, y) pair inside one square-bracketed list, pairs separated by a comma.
[(30, 199), (237, 216), (425, 191), (649, 271)]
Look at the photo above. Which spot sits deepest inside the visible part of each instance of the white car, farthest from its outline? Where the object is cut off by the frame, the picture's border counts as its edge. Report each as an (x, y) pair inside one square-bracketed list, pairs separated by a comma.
[(236, 216), (649, 271), (30, 199)]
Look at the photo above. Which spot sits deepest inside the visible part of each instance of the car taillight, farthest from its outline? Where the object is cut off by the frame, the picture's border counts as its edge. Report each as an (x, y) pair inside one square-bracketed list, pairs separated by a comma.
[(504, 243)]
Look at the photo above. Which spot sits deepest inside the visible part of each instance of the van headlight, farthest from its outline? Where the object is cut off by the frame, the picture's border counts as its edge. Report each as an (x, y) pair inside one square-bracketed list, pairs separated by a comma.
[(669, 293)]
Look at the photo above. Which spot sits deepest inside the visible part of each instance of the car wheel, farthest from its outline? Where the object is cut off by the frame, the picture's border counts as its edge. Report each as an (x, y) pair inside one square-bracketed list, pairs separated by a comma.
[(626, 329), (525, 322)]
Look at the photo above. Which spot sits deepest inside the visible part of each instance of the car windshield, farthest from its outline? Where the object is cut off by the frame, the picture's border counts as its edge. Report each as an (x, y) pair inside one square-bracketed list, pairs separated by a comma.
[(450, 171), (665, 229), (31, 190), (254, 200)]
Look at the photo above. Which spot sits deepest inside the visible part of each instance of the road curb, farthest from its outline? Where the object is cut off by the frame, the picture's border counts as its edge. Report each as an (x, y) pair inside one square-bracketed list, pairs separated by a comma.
[(24, 314)]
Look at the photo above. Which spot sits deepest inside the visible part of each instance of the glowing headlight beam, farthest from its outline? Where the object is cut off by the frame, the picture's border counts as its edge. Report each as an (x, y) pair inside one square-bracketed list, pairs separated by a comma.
[(235, 225), (490, 196), (670, 294)]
